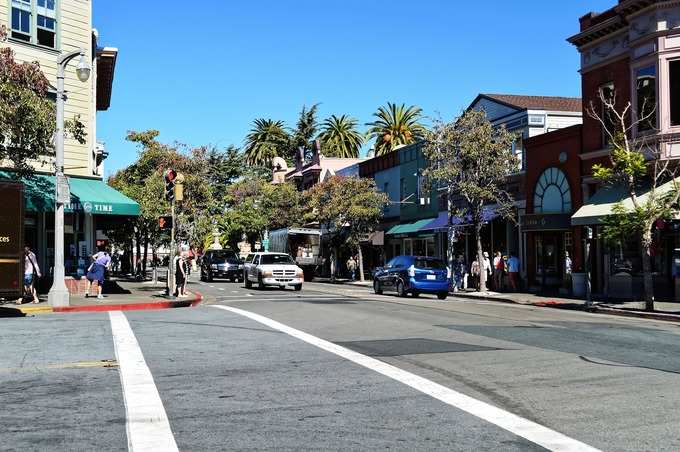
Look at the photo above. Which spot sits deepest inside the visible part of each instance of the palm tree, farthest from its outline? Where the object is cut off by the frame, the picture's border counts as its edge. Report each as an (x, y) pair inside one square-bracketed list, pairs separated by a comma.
[(266, 140), (340, 138), (395, 126), (306, 128)]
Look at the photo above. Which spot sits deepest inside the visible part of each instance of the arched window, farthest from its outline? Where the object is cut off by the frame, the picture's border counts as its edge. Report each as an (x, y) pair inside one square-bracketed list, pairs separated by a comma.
[(552, 194)]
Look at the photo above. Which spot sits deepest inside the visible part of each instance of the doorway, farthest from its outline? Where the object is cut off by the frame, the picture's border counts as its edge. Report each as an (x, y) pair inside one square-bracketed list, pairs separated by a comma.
[(549, 260)]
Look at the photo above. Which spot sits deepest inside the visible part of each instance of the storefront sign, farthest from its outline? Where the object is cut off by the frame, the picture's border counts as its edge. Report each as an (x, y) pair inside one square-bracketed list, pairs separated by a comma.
[(89, 207), (546, 222)]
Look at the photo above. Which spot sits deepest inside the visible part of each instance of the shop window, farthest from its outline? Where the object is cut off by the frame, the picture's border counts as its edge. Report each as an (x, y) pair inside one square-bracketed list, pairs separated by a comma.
[(674, 82), (518, 152), (552, 194), (646, 98), (402, 189)]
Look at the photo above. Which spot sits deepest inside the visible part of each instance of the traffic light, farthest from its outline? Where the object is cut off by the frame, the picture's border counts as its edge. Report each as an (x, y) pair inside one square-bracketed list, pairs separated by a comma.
[(165, 222), (179, 187), (170, 176)]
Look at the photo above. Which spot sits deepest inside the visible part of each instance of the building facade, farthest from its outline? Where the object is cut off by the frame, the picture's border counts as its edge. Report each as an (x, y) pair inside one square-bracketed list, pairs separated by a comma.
[(631, 51), (40, 31)]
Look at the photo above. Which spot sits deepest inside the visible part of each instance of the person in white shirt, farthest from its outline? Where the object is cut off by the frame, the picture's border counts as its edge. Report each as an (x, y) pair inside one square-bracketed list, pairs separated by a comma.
[(31, 274)]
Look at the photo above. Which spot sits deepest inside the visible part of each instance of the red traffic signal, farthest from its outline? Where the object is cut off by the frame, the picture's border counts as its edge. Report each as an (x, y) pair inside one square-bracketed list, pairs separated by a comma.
[(165, 222), (170, 175)]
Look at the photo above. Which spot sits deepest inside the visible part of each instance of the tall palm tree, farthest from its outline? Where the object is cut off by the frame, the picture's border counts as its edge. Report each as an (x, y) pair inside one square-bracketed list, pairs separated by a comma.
[(395, 126), (267, 139), (340, 137), (305, 130)]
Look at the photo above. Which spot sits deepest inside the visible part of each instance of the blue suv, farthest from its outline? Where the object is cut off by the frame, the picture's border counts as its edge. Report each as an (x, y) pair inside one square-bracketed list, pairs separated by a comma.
[(414, 275)]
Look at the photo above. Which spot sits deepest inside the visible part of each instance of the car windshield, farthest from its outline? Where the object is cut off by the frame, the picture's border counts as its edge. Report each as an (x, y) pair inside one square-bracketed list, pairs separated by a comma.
[(273, 259), (429, 264), (223, 255)]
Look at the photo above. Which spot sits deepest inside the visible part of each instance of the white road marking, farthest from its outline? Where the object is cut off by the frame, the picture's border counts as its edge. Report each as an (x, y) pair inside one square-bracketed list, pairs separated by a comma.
[(147, 425), (249, 295), (220, 288), (234, 291), (536, 433)]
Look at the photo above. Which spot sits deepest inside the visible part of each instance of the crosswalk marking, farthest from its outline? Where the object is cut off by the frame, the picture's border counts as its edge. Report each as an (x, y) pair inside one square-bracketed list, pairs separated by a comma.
[(147, 425), (513, 423)]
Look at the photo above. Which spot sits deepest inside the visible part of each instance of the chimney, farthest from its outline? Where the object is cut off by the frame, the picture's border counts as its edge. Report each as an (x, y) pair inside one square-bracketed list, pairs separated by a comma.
[(299, 158), (587, 20), (316, 152)]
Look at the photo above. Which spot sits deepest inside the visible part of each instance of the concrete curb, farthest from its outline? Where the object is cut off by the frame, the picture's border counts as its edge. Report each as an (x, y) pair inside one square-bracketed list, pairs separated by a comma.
[(170, 304)]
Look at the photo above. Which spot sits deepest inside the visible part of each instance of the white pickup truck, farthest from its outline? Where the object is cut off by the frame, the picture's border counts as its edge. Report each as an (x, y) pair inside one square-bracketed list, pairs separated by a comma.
[(272, 269)]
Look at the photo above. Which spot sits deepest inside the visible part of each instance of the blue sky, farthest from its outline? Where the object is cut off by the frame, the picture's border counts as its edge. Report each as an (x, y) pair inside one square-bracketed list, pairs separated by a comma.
[(200, 72)]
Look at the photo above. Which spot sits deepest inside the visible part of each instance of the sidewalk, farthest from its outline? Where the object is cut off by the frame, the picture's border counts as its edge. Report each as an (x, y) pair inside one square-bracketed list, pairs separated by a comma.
[(666, 311), (119, 295)]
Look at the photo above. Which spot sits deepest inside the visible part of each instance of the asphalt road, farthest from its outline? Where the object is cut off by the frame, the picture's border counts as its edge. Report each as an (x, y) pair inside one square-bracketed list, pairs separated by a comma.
[(411, 374)]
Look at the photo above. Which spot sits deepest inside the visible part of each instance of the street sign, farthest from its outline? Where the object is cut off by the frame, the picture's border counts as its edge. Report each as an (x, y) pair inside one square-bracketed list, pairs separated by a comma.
[(63, 190), (258, 245)]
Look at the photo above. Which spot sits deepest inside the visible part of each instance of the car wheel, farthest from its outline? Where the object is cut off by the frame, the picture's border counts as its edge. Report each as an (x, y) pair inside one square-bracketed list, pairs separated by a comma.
[(260, 283), (442, 295), (210, 277), (298, 287), (248, 283), (401, 290), (202, 276), (415, 294), (376, 287)]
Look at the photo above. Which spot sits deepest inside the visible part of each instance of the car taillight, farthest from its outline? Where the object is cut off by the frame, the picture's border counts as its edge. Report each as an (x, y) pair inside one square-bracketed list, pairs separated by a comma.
[(412, 271)]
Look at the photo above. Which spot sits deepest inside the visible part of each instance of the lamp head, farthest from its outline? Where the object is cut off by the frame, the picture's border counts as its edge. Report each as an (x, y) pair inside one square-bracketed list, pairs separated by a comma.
[(83, 69)]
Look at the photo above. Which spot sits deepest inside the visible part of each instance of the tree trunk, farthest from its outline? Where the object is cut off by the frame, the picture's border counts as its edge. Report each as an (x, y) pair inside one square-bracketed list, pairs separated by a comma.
[(480, 258), (138, 249), (647, 268), (146, 252), (360, 263)]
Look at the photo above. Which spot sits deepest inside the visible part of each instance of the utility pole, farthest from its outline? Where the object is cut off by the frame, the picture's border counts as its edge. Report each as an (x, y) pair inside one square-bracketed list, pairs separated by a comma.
[(170, 180), (589, 236)]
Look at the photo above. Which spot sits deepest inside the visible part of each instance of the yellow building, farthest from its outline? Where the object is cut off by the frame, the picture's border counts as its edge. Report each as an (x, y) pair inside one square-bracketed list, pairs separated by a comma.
[(40, 31)]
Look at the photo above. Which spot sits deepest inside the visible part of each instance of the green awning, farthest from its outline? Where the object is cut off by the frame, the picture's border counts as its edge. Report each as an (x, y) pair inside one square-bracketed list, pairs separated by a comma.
[(87, 195), (601, 203), (409, 228)]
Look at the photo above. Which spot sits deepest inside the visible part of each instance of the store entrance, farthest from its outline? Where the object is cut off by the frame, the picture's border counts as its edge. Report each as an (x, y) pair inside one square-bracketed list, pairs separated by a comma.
[(549, 260)]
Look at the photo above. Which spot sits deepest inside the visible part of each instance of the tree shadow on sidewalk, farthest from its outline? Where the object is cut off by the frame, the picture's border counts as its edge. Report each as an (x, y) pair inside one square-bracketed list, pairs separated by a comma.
[(10, 312)]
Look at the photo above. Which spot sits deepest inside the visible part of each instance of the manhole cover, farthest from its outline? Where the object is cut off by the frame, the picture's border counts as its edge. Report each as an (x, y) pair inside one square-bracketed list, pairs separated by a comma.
[(412, 346)]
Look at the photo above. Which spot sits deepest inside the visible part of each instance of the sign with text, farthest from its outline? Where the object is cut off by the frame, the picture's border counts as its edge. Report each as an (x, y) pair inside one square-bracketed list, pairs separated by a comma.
[(546, 222), (11, 239)]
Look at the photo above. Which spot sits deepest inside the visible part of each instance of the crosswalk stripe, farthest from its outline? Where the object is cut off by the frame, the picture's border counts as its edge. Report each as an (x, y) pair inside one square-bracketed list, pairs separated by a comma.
[(513, 423), (147, 425)]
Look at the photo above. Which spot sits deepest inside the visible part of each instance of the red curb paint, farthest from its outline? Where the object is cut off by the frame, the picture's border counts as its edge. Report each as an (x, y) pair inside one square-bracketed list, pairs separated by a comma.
[(133, 306)]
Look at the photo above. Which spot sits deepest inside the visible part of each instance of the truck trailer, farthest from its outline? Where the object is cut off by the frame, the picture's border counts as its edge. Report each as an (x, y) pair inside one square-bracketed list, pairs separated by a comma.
[(11, 240), (303, 244)]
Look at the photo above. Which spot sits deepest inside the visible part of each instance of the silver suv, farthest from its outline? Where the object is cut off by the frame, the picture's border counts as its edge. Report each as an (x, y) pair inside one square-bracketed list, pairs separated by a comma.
[(272, 269)]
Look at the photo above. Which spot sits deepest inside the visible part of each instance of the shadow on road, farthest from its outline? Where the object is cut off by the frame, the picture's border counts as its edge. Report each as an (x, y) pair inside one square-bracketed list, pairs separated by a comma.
[(11, 312)]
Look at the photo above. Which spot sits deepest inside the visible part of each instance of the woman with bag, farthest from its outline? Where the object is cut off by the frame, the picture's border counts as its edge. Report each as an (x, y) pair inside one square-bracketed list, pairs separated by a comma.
[(96, 271), (31, 274)]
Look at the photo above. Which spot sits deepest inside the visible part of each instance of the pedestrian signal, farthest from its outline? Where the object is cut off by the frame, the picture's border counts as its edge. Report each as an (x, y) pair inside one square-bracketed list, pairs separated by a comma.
[(170, 177)]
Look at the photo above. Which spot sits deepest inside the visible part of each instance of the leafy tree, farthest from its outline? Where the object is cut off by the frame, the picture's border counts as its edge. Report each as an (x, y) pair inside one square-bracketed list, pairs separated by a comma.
[(144, 182), (353, 205), (649, 178), (305, 131), (255, 205), (340, 137), (395, 126), (267, 139), (470, 158), (27, 115)]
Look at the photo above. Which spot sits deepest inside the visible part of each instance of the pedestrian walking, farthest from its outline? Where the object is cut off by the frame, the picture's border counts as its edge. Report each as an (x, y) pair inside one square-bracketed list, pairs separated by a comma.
[(31, 275), (458, 273), (475, 271), (513, 272), (101, 262), (352, 267), (498, 269)]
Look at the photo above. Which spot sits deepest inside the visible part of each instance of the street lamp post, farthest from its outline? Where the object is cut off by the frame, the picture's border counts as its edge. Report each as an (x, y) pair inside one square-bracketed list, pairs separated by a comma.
[(58, 295)]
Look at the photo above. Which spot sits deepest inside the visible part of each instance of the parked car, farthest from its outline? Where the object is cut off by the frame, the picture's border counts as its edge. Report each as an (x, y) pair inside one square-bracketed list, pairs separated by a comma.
[(221, 264), (414, 275), (272, 269)]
